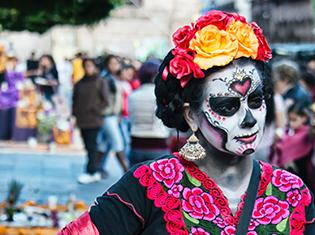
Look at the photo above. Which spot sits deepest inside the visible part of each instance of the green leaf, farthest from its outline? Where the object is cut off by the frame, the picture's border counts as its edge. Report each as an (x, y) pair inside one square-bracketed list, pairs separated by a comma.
[(282, 225), (269, 190), (194, 221), (193, 180)]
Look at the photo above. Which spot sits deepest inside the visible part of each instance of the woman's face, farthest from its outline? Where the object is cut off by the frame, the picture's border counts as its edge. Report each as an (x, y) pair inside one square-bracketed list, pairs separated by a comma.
[(90, 68), (233, 112)]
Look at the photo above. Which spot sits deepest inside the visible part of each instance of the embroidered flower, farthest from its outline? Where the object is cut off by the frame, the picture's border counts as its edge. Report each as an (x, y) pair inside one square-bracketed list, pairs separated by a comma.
[(198, 231), (175, 190), (286, 181), (183, 35), (306, 197), (174, 222), (219, 222), (294, 197), (213, 47), (252, 225), (144, 174), (198, 204), (229, 230), (247, 40), (168, 171), (182, 66), (270, 210), (297, 221)]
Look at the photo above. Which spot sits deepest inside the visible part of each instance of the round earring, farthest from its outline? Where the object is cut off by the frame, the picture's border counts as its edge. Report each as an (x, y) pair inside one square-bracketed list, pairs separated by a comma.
[(192, 150)]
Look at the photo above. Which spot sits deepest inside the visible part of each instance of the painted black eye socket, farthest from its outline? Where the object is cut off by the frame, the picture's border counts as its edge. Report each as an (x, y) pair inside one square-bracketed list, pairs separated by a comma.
[(225, 106), (256, 98)]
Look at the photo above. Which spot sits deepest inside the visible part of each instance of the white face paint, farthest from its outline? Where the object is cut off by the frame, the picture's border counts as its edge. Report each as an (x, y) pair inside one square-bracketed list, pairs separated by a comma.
[(234, 110)]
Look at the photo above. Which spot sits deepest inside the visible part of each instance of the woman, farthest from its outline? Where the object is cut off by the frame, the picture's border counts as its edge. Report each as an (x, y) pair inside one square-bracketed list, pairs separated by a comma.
[(149, 137), (89, 101), (210, 83)]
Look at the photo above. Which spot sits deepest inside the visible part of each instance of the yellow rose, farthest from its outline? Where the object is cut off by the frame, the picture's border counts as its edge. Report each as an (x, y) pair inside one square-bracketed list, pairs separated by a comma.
[(213, 47), (247, 41)]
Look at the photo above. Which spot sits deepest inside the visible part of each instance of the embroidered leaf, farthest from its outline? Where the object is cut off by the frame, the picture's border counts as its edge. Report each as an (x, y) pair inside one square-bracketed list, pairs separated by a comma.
[(195, 221), (269, 190), (193, 180), (282, 225)]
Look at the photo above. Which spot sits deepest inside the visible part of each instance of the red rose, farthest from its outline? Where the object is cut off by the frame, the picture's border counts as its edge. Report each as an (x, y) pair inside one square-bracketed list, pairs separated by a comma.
[(168, 171), (183, 35), (297, 221), (286, 181), (174, 222), (198, 204), (140, 171), (306, 197), (173, 203), (237, 17), (155, 191), (208, 184), (270, 210), (218, 18), (182, 66), (264, 52)]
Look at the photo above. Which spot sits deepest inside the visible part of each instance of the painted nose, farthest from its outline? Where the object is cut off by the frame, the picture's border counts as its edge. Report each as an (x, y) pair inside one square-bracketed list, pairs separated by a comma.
[(249, 120)]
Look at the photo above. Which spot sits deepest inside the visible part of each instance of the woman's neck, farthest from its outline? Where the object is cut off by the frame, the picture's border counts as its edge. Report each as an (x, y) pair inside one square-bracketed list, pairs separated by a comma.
[(226, 169)]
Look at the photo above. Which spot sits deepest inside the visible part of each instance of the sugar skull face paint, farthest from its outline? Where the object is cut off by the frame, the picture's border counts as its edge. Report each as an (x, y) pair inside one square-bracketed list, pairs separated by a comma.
[(234, 110)]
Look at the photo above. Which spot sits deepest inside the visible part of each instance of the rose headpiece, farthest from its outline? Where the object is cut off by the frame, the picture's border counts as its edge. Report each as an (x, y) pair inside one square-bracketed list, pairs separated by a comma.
[(215, 39)]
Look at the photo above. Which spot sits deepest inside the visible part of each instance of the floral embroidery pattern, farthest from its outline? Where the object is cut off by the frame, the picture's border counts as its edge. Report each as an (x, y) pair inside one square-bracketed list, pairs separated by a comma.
[(193, 204), (198, 231), (199, 204), (270, 210), (168, 171), (286, 181)]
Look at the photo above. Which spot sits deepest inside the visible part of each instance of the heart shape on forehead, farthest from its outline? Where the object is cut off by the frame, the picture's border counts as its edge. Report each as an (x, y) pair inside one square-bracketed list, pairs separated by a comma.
[(241, 87)]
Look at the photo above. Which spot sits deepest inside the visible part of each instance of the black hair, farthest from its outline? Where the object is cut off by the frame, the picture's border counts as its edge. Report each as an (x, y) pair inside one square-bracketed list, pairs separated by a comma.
[(108, 59), (85, 60), (170, 96), (125, 67), (298, 109), (148, 71), (309, 79)]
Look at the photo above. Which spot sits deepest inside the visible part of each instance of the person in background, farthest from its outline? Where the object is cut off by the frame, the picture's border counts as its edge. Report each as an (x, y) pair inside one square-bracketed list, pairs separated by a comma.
[(77, 68), (89, 101), (308, 83), (110, 137), (149, 137), (125, 76), (3, 60), (293, 150), (47, 70), (32, 66), (286, 76)]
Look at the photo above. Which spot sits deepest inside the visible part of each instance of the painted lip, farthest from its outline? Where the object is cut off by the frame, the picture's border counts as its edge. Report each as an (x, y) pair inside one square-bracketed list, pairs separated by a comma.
[(247, 139)]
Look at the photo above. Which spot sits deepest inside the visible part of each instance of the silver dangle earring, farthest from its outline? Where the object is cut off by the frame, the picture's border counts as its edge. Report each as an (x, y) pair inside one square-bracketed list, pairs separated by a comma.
[(192, 150)]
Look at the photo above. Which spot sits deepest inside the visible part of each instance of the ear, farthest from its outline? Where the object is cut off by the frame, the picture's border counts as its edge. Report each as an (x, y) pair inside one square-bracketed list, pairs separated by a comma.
[(190, 117)]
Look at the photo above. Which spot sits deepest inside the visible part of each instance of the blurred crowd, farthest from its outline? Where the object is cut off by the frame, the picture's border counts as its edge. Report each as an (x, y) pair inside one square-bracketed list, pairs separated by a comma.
[(111, 100)]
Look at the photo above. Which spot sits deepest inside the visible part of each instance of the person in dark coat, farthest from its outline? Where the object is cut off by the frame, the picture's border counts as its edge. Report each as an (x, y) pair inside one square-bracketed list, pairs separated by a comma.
[(89, 101)]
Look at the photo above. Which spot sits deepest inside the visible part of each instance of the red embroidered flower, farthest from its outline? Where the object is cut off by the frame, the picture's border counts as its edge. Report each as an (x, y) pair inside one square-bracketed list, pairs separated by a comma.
[(183, 35), (306, 197), (173, 203), (182, 66), (219, 222), (168, 171), (286, 181), (294, 197), (297, 221), (229, 230), (217, 18), (144, 174), (198, 231), (270, 210), (199, 204), (252, 225), (264, 52), (265, 178), (251, 233), (175, 190), (174, 222)]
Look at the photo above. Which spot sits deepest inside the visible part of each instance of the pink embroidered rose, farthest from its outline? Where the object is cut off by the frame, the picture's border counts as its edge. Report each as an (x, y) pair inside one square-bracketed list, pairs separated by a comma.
[(175, 190), (285, 181), (198, 204), (270, 210), (183, 35), (251, 233), (168, 171), (198, 231), (294, 197), (219, 222), (229, 230), (252, 225)]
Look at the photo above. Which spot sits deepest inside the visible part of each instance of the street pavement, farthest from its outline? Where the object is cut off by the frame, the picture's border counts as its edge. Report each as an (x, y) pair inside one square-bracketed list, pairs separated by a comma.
[(46, 174)]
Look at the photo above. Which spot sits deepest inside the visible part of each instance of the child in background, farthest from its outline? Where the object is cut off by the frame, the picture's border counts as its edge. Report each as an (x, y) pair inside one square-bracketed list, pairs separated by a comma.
[(294, 149)]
